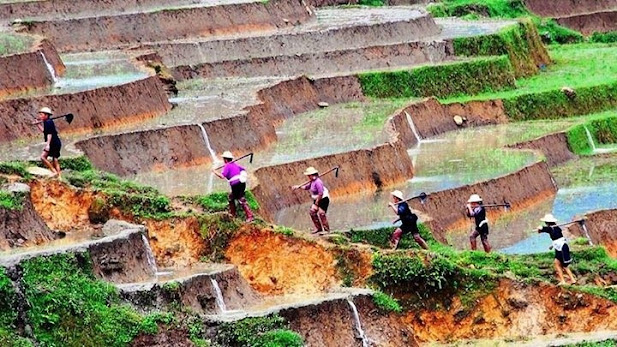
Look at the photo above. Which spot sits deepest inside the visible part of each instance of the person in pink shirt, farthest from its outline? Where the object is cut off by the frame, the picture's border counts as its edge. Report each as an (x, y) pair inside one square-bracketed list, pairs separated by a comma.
[(321, 200), (236, 176)]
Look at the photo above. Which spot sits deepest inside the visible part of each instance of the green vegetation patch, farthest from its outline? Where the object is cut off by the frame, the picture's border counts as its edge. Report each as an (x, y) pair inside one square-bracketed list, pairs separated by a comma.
[(541, 97), (217, 230), (521, 43), (606, 343), (11, 201), (218, 202), (270, 331), (15, 43), (386, 303), (70, 307), (601, 131), (610, 37), (381, 237), (475, 76), (14, 168), (8, 314)]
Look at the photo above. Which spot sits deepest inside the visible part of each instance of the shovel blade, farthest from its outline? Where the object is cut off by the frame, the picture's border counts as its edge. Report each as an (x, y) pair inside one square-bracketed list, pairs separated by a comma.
[(69, 118)]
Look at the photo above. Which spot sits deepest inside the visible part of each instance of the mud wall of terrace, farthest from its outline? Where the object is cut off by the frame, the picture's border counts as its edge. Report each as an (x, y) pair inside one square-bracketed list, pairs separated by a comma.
[(520, 188), (593, 22), (289, 44), (554, 147), (129, 153), (513, 310), (331, 323), (602, 228), (360, 170), (22, 226), (564, 8), (97, 108), (175, 23), (374, 57), (432, 118), (28, 71)]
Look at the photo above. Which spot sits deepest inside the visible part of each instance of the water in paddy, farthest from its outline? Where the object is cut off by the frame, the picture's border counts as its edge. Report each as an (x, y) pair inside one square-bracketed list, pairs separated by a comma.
[(585, 185)]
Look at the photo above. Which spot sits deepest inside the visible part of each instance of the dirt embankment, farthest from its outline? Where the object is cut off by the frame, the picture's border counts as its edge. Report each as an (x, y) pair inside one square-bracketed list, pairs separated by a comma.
[(432, 118), (321, 63), (139, 151), (23, 227), (592, 22), (602, 228), (93, 109), (520, 189), (276, 264), (28, 71), (564, 8), (111, 31), (516, 310), (332, 323), (360, 170), (554, 147)]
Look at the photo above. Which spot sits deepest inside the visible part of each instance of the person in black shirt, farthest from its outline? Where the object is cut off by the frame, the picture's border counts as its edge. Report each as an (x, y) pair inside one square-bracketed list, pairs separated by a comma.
[(52, 141), (478, 212), (560, 245), (408, 218)]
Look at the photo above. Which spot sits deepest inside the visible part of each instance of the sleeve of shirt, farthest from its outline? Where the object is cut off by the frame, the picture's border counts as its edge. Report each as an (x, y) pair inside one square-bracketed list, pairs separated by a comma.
[(400, 209), (46, 128), (225, 171)]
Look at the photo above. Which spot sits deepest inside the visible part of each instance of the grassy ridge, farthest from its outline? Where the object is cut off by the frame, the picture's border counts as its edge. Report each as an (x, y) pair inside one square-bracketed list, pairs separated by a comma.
[(445, 80), (521, 43), (603, 131)]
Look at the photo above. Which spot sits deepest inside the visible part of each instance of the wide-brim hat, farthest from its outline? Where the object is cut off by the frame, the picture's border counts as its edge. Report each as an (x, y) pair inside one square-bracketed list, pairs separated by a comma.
[(227, 155), (549, 218), (310, 171), (46, 110), (474, 198), (398, 194)]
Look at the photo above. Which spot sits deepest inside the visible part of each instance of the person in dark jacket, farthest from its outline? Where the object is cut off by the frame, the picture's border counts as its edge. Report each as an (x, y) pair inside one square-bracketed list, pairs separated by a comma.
[(408, 219), (476, 211), (560, 245), (52, 141)]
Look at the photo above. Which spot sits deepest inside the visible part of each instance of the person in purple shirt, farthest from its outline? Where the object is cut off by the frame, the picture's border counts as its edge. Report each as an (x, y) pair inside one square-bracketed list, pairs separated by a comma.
[(236, 176), (321, 200)]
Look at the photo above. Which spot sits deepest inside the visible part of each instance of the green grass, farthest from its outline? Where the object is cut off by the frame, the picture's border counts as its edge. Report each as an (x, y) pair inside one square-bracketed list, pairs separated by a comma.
[(609, 37), (15, 43), (14, 168), (603, 131), (11, 201), (270, 331), (386, 303), (69, 307), (593, 61), (218, 202), (444, 80), (607, 343)]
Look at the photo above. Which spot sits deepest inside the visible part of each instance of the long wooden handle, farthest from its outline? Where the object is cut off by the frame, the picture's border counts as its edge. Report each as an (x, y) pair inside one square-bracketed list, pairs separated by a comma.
[(321, 175), (233, 161)]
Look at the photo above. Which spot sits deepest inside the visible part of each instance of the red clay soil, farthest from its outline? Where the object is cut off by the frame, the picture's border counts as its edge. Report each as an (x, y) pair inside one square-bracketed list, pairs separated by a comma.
[(176, 242), (111, 31), (515, 310), (360, 170), (564, 8), (602, 228), (321, 63), (165, 337), (592, 22), (62, 207), (554, 147), (521, 189), (94, 109), (276, 264), (133, 152), (432, 118)]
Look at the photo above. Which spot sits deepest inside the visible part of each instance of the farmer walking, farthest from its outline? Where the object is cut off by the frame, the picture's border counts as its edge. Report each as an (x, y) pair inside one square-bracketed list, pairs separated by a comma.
[(236, 176), (478, 212), (321, 200), (52, 141), (560, 245), (408, 218)]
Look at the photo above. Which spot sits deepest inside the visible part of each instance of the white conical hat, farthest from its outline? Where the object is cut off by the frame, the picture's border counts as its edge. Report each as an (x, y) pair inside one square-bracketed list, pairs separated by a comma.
[(46, 110), (474, 198), (227, 155), (310, 171), (549, 218), (398, 194)]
